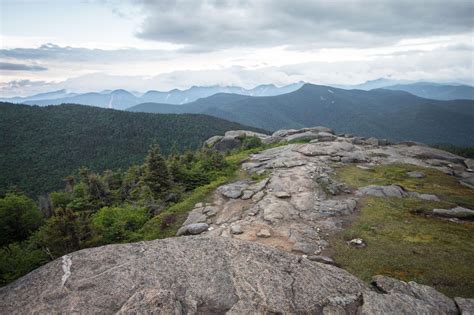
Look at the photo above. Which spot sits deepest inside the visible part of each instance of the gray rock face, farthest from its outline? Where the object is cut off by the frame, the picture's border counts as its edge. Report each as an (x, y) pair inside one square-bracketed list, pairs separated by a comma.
[(233, 190), (232, 140), (193, 229), (435, 299), (212, 141), (457, 212), (302, 136), (382, 191), (469, 163), (428, 197), (207, 275), (466, 306), (226, 144), (321, 259), (393, 191)]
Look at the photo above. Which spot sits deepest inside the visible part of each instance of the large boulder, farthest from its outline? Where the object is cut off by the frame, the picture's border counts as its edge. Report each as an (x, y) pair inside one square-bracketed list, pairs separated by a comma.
[(202, 275), (227, 143), (232, 140), (179, 275)]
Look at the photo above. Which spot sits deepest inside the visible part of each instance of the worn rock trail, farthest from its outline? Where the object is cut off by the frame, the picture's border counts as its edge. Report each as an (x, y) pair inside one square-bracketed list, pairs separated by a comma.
[(299, 205)]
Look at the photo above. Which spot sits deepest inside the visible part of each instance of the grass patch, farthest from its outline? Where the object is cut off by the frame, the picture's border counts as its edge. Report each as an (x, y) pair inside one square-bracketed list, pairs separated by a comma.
[(400, 242), (409, 247), (446, 187)]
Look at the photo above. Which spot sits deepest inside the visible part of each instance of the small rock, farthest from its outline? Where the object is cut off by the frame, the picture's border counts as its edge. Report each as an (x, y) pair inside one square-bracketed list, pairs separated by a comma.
[(197, 228), (322, 259), (416, 174), (210, 211), (236, 229), (258, 196), (233, 190), (247, 194), (365, 168), (198, 205), (382, 191), (357, 242), (428, 197), (282, 194), (265, 233)]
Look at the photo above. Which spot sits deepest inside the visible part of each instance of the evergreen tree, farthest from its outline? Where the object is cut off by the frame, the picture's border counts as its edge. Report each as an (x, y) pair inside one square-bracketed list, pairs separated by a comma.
[(61, 234), (157, 175), (19, 217)]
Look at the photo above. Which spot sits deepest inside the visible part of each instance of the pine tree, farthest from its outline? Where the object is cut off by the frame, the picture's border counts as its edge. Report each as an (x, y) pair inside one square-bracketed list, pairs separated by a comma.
[(157, 175)]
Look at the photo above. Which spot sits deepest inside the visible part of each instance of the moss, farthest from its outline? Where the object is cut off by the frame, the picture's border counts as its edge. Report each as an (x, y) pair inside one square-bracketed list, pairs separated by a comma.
[(436, 182), (403, 244)]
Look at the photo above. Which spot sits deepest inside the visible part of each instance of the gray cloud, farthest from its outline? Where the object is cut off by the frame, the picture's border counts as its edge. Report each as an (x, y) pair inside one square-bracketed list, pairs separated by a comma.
[(20, 67), (436, 65), (58, 53), (223, 24)]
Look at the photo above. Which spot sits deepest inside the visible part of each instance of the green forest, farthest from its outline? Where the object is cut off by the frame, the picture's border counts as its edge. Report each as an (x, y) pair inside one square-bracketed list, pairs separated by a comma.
[(147, 201), (40, 146)]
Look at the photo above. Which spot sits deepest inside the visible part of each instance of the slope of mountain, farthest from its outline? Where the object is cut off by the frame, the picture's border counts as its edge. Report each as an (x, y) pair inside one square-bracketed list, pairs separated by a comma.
[(381, 113), (121, 99), (39, 146), (436, 91)]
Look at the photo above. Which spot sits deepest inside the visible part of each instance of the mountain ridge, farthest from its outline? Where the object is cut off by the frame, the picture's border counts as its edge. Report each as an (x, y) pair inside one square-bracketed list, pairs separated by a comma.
[(108, 98), (382, 113)]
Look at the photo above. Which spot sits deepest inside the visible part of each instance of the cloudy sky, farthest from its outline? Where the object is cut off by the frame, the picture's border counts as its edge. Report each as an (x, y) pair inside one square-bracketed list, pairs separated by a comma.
[(142, 45)]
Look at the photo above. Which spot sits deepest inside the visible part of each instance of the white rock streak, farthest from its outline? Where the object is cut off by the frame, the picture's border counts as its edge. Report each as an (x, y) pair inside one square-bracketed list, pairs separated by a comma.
[(67, 263)]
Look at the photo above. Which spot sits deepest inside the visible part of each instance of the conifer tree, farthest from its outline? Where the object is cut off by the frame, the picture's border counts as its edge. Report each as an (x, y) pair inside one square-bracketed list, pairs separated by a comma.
[(156, 175)]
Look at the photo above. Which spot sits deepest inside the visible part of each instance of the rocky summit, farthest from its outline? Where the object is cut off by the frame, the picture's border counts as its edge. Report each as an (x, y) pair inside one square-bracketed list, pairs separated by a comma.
[(258, 245)]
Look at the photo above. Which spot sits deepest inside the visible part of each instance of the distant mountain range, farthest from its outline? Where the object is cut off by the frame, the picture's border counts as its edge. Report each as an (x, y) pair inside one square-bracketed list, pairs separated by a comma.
[(122, 99), (39, 146), (436, 91), (381, 113)]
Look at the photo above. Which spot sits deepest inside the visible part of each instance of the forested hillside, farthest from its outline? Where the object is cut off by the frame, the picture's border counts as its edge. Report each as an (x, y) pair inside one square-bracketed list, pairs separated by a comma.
[(39, 146), (147, 201)]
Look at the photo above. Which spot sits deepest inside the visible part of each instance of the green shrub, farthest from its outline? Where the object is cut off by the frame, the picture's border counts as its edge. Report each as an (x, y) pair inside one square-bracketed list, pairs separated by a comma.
[(118, 224)]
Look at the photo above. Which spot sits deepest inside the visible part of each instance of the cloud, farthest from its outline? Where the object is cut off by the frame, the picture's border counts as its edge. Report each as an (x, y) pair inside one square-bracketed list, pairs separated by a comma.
[(414, 65), (20, 67), (306, 23), (55, 52)]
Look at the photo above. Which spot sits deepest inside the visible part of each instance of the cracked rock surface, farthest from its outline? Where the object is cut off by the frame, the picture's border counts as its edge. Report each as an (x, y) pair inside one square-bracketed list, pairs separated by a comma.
[(300, 203), (208, 275)]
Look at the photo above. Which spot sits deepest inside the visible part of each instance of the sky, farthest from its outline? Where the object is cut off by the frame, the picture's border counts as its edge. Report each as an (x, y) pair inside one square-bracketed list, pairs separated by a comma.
[(160, 45)]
